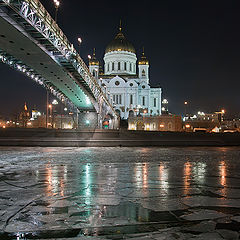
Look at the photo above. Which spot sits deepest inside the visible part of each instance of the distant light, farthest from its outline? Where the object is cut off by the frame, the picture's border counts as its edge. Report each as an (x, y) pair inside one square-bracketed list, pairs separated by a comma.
[(89, 57), (201, 113), (88, 100), (87, 121), (223, 111), (185, 102), (79, 40), (50, 106), (161, 125), (163, 108), (165, 101), (57, 3), (54, 102), (4, 126), (187, 126), (65, 109)]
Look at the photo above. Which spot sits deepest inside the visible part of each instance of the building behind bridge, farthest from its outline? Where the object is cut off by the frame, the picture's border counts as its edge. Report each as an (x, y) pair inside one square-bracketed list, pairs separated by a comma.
[(125, 80)]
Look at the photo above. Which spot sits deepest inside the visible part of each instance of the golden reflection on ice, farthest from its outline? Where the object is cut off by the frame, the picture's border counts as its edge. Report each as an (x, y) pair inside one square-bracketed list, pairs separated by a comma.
[(163, 177), (56, 177), (145, 176), (187, 177), (223, 173)]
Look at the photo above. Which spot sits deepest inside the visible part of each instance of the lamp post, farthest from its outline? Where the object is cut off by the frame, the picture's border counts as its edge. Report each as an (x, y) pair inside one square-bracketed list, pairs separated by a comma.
[(47, 110), (222, 113), (54, 103), (185, 107), (56, 4), (79, 43), (89, 57), (165, 106), (50, 109)]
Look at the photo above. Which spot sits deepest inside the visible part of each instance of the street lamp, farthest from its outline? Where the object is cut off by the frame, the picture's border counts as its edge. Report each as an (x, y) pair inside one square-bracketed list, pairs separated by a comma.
[(223, 112), (50, 115), (89, 57), (79, 43), (54, 103), (185, 107), (56, 4)]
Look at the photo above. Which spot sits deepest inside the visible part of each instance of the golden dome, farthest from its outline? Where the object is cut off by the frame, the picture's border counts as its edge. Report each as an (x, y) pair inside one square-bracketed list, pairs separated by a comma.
[(120, 43), (93, 60), (143, 60)]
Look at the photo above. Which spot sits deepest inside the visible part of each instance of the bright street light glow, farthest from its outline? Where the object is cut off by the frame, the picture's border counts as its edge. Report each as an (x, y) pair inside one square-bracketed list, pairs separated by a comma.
[(79, 40), (54, 102), (88, 100), (165, 101), (57, 3), (89, 57)]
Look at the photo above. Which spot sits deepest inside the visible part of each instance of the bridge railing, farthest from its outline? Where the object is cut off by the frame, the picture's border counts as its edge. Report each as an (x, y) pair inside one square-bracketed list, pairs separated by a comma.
[(31, 8)]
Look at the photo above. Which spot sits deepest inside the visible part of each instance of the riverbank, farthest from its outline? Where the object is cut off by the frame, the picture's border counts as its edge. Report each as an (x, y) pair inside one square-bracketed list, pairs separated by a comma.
[(112, 138)]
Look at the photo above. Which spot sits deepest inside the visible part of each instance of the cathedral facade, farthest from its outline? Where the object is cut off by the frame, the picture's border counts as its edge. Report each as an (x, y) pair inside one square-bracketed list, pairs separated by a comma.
[(125, 79)]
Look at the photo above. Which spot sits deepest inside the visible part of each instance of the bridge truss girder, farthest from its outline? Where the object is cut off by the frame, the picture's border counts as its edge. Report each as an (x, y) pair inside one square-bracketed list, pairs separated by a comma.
[(36, 21)]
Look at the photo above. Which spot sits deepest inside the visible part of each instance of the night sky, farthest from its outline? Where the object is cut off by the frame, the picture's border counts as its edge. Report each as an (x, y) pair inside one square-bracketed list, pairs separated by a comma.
[(193, 48)]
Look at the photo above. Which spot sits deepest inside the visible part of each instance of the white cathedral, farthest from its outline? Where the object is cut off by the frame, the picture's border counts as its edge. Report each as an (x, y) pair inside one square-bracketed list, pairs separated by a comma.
[(127, 89)]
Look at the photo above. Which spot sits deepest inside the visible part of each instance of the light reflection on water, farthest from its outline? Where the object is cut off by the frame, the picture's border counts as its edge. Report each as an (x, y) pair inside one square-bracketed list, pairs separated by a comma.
[(102, 178), (98, 184), (187, 177)]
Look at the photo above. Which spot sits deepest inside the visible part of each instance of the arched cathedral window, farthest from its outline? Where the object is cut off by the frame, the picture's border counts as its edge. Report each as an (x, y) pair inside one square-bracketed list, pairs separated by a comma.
[(113, 66), (143, 73), (125, 66), (119, 66)]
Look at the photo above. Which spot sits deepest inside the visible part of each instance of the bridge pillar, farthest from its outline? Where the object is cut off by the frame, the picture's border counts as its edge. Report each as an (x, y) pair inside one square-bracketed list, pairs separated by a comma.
[(87, 120)]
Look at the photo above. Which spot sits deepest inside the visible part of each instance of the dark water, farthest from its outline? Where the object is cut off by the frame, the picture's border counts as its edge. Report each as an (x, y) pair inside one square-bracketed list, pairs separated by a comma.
[(112, 192)]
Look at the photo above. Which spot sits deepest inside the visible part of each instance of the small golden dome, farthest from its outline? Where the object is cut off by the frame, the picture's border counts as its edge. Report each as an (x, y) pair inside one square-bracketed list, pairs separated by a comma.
[(143, 60), (93, 60)]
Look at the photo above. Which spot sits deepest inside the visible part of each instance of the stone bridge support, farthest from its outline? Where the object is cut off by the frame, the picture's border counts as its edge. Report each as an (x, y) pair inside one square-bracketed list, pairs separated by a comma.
[(88, 120)]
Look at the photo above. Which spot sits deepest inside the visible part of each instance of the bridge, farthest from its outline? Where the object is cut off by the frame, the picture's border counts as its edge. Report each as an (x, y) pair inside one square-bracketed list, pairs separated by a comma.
[(32, 42)]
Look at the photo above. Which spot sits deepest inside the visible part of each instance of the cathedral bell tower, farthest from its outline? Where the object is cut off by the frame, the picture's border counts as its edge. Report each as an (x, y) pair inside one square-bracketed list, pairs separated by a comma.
[(94, 65), (143, 66)]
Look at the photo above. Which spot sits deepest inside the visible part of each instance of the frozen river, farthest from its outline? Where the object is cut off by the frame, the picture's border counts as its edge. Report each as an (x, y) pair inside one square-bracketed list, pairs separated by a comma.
[(120, 193)]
